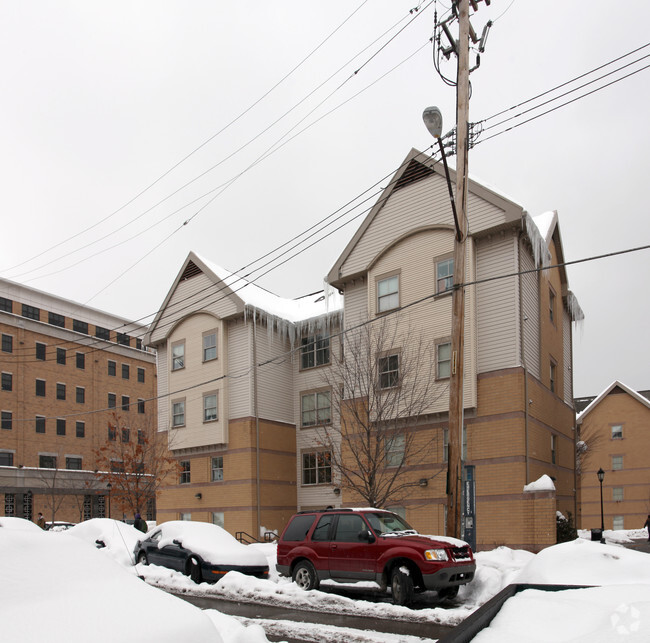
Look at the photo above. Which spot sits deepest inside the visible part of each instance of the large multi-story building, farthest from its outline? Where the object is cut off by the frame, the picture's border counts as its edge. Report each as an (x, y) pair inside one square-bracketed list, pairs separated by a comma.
[(614, 435), (247, 381), (68, 371)]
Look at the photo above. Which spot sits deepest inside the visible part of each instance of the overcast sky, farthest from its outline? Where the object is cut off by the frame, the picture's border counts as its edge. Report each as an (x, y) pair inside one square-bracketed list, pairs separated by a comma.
[(101, 99)]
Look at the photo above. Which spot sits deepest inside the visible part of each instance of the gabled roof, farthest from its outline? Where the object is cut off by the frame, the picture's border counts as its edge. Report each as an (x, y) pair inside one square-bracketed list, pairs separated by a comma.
[(248, 296), (415, 167), (615, 384)]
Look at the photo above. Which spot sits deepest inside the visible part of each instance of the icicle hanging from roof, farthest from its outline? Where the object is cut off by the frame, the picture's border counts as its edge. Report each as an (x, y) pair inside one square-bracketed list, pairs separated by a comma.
[(577, 315), (541, 253)]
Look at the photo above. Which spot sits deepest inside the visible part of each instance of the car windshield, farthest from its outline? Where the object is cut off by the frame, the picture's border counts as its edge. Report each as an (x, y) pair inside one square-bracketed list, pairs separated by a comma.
[(385, 523)]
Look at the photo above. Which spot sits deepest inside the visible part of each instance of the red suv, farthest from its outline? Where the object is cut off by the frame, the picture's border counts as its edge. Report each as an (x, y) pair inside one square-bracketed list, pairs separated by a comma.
[(349, 545)]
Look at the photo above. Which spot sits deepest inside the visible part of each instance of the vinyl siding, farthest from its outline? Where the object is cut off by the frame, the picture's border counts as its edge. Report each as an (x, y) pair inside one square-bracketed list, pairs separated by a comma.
[(240, 360), (530, 298), (163, 388), (568, 374), (498, 304)]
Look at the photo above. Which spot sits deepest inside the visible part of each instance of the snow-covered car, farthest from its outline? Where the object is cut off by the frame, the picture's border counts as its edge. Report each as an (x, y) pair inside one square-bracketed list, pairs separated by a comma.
[(58, 525), (202, 551), (18, 523)]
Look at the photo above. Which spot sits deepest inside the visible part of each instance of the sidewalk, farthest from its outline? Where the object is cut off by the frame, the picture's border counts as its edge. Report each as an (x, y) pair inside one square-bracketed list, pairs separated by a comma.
[(639, 544)]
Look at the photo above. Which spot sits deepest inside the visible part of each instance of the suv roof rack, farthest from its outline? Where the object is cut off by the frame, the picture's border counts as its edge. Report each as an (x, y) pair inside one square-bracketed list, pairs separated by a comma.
[(320, 511)]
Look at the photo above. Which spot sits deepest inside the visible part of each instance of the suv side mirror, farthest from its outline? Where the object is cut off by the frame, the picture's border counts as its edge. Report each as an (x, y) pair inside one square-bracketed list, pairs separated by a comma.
[(367, 535)]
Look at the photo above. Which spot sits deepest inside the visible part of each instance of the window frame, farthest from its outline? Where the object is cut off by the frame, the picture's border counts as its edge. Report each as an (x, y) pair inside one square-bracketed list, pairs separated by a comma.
[(42, 457), (552, 304), (174, 366), (7, 381), (311, 347), (126, 371), (214, 475), (438, 263), (394, 457), (61, 356), (618, 494), (315, 394), (61, 391), (69, 459), (204, 349), (40, 424), (55, 319), (440, 343), (80, 361), (185, 472), (61, 427), (617, 463), (31, 312), (174, 414), (43, 386), (616, 431), (384, 358), (553, 383), (80, 394), (206, 396), (7, 345), (319, 456), (41, 351), (380, 279), (6, 420), (141, 373), (80, 429), (111, 368)]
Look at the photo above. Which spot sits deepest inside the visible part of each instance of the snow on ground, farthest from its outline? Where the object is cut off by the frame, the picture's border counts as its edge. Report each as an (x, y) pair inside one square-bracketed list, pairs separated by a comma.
[(620, 607)]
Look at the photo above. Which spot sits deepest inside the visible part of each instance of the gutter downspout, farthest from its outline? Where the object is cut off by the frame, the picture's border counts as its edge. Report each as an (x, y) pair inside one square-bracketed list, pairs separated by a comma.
[(257, 426), (522, 348)]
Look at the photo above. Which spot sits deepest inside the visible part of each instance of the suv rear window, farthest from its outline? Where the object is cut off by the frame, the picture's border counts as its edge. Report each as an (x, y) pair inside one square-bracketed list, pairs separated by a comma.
[(298, 528)]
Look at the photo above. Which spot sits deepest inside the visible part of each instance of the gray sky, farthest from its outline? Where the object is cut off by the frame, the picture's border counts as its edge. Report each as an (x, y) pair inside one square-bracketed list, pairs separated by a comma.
[(100, 99)]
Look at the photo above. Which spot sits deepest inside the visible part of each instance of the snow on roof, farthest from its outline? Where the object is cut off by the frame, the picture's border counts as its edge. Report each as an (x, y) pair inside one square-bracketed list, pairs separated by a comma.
[(545, 223), (541, 484)]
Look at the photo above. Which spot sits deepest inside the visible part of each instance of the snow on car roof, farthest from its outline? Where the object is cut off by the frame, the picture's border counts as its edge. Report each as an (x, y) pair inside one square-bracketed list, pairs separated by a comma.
[(18, 523), (209, 541)]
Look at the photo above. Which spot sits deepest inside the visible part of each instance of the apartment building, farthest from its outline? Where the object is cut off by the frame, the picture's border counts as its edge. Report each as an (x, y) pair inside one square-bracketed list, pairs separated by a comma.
[(69, 374), (614, 435), (246, 379)]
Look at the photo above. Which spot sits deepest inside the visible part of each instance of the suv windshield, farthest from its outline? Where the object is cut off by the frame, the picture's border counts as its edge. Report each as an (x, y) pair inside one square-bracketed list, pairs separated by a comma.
[(388, 523)]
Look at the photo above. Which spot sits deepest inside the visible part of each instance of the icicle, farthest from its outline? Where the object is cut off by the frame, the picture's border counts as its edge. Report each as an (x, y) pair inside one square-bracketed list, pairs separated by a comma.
[(541, 253)]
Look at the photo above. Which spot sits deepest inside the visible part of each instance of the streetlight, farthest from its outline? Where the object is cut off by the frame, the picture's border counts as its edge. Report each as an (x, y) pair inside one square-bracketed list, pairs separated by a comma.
[(109, 486), (601, 476)]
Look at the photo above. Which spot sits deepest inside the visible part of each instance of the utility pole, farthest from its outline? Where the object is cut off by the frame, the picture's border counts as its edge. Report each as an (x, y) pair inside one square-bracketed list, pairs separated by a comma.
[(456, 417)]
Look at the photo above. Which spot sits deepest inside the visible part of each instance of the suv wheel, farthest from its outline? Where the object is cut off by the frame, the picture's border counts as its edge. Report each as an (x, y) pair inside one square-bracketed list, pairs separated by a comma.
[(449, 593), (401, 585), (304, 575)]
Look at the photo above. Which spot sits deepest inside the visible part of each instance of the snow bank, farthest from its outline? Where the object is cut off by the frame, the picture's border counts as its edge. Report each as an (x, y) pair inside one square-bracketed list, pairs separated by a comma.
[(541, 484)]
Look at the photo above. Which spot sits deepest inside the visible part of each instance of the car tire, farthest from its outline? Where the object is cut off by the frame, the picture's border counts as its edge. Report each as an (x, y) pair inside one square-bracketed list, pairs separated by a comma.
[(448, 593), (401, 585), (194, 569), (305, 576), (142, 559)]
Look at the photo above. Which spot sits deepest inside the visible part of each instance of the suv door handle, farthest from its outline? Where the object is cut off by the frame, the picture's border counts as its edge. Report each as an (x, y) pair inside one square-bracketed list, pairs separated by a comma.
[(334, 546)]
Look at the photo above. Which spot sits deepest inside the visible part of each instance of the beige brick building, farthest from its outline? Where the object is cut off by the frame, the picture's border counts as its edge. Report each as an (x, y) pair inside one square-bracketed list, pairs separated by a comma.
[(244, 384), (614, 429), (67, 370)]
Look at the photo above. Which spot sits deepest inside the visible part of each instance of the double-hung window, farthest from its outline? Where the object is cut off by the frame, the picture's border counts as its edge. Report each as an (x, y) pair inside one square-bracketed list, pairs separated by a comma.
[(389, 371), (178, 356), (388, 293), (443, 360), (210, 345), (178, 413), (314, 351), (210, 410), (444, 275), (185, 477), (315, 408), (316, 467), (617, 432), (395, 448), (217, 468)]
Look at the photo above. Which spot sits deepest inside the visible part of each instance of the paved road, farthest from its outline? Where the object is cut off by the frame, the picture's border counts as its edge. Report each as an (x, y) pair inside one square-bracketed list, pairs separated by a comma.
[(272, 614), (639, 545)]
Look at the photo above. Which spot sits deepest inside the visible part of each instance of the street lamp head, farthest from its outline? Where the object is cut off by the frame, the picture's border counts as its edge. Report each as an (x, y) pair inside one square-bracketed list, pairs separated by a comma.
[(601, 474), (432, 118)]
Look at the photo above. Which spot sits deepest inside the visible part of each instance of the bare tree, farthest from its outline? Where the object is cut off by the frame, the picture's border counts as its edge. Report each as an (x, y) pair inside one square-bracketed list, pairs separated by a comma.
[(381, 389), (53, 498), (135, 462)]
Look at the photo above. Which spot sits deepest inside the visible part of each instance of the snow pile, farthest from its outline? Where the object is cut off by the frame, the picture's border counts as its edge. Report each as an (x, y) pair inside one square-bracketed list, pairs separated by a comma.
[(541, 484)]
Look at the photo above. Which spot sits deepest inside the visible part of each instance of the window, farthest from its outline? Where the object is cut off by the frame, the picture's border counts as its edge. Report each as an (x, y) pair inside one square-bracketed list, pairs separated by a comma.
[(617, 432), (73, 462), (209, 346), (102, 333), (140, 374), (7, 381), (124, 339), (40, 388), (445, 445), (126, 402), (553, 449), (40, 424), (316, 468), (112, 433), (617, 462), (618, 523), (553, 377), (210, 407), (444, 275), (60, 426), (141, 438), (40, 350), (80, 395), (184, 515), (60, 391), (112, 368), (322, 530), (112, 400), (60, 355), (443, 360), (394, 450), (316, 409), (617, 494), (117, 466), (126, 435), (6, 420), (6, 460), (185, 476), (389, 371), (31, 312), (80, 326), (5, 305), (178, 413), (348, 528), (47, 461), (7, 343), (126, 371), (138, 343), (80, 429), (81, 360), (218, 519), (140, 406), (551, 306), (56, 320), (388, 293), (314, 351), (217, 469), (178, 356)]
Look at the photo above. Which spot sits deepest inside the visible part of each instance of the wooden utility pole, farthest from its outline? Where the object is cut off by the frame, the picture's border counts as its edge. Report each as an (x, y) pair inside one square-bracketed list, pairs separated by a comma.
[(458, 296)]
